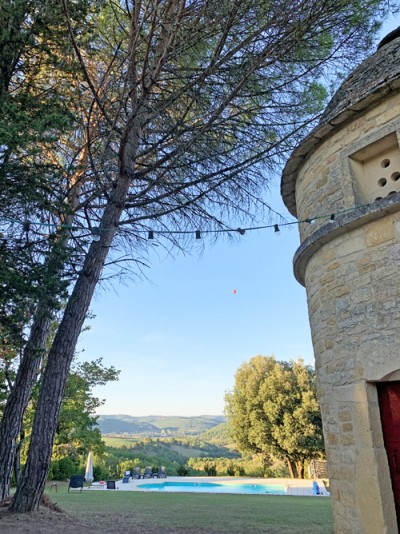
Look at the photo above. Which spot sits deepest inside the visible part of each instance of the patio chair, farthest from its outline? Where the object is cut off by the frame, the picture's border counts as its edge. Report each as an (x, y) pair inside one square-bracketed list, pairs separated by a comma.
[(148, 472), (111, 485), (315, 489), (136, 472), (76, 482), (161, 472)]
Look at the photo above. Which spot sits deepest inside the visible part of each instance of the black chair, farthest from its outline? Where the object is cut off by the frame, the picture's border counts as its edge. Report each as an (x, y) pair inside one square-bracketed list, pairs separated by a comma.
[(161, 472), (148, 472), (76, 482), (110, 484), (136, 472)]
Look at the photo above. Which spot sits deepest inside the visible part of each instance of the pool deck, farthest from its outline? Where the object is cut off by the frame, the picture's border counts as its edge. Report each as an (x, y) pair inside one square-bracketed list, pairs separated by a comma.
[(293, 486)]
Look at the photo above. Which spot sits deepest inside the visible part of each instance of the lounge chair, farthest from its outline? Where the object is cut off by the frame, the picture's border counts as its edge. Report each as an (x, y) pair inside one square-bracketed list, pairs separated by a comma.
[(76, 482), (136, 472), (161, 472), (148, 472), (315, 489)]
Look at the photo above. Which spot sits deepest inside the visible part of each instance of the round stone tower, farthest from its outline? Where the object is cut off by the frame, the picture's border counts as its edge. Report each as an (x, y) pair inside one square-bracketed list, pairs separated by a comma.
[(343, 184)]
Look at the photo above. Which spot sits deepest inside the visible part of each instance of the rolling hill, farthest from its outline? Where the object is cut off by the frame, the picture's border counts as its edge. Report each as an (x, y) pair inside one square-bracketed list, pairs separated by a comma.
[(154, 425)]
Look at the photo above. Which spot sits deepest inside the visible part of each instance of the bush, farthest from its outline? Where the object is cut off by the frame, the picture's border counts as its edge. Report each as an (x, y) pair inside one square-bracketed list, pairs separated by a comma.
[(63, 468), (100, 472), (182, 470)]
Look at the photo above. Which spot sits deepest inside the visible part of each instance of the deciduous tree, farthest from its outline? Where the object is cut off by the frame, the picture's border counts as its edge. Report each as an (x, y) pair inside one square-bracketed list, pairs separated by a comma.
[(273, 410)]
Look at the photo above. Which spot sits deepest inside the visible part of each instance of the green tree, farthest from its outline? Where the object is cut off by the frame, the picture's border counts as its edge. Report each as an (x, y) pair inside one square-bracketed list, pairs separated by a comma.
[(192, 105), (273, 411), (77, 430), (38, 181)]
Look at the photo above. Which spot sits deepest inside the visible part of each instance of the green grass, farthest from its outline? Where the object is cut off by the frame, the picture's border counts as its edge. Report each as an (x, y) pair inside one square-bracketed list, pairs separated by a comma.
[(252, 514)]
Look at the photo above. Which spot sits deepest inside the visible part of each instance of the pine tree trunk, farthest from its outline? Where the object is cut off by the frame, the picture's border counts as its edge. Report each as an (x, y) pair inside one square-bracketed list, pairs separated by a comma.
[(18, 399), (35, 349), (17, 459), (34, 477)]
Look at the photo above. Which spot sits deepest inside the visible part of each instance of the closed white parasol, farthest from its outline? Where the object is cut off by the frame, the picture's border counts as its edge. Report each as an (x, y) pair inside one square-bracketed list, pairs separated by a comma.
[(89, 468)]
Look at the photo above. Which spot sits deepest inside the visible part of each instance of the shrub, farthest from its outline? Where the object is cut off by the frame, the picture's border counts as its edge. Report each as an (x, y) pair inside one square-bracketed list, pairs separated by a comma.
[(182, 470), (63, 468), (100, 472)]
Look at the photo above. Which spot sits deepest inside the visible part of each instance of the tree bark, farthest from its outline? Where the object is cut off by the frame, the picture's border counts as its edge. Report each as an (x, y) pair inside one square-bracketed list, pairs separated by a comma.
[(18, 399), (291, 468), (35, 349), (34, 476), (300, 469), (17, 459)]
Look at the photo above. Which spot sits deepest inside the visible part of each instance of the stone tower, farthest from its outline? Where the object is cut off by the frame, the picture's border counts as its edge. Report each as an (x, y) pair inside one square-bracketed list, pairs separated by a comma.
[(343, 184)]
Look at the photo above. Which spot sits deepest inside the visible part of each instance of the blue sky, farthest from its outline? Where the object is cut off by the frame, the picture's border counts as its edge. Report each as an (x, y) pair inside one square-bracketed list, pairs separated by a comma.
[(179, 337)]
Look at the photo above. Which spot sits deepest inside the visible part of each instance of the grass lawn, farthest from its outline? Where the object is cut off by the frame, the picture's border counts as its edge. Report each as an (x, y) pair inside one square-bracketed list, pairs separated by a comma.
[(206, 513)]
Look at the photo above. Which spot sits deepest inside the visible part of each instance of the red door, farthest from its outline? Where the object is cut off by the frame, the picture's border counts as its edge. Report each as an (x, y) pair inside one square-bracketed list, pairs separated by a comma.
[(389, 404)]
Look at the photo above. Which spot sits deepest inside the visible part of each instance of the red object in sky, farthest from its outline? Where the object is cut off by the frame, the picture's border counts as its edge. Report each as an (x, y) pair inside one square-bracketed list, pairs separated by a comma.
[(234, 291)]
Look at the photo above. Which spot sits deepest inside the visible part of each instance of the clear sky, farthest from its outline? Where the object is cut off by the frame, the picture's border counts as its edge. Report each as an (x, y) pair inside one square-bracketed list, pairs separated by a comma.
[(179, 337)]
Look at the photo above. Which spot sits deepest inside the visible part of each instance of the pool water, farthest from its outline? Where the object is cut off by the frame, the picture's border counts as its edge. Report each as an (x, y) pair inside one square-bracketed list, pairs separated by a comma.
[(213, 487)]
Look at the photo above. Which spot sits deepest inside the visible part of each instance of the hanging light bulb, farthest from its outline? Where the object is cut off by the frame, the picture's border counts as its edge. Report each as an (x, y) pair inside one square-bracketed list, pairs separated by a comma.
[(332, 218), (95, 234), (150, 235), (198, 234), (276, 228)]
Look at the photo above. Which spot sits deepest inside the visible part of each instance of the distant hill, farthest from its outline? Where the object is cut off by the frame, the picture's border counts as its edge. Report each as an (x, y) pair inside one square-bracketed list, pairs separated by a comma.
[(218, 435), (157, 425)]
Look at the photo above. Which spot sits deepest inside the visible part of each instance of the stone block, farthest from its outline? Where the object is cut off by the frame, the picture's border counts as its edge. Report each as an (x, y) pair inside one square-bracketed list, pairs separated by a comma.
[(379, 232), (341, 291), (333, 439), (347, 439), (345, 415), (334, 266), (347, 427)]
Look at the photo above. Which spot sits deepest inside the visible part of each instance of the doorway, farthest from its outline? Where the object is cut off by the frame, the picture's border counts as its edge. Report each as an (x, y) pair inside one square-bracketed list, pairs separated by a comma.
[(389, 405)]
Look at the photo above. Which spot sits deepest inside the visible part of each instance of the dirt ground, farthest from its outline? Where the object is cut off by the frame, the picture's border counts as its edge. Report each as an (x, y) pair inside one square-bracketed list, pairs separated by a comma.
[(50, 521)]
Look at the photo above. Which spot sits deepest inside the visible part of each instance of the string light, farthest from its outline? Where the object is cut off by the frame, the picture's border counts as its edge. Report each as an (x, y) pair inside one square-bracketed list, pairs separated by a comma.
[(96, 232)]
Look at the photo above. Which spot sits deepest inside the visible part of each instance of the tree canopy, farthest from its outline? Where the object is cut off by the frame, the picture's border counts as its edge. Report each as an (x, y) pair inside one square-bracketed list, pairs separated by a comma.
[(273, 410)]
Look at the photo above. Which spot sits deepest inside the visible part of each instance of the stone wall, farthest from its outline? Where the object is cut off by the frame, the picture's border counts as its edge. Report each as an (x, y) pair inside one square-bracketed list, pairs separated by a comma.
[(326, 183), (351, 272)]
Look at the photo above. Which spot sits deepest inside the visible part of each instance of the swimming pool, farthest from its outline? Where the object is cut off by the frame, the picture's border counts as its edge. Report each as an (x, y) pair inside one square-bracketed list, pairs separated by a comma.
[(213, 487)]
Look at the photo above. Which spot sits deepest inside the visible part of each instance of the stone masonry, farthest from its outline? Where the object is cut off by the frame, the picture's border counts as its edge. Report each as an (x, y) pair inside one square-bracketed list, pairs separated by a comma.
[(349, 264)]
